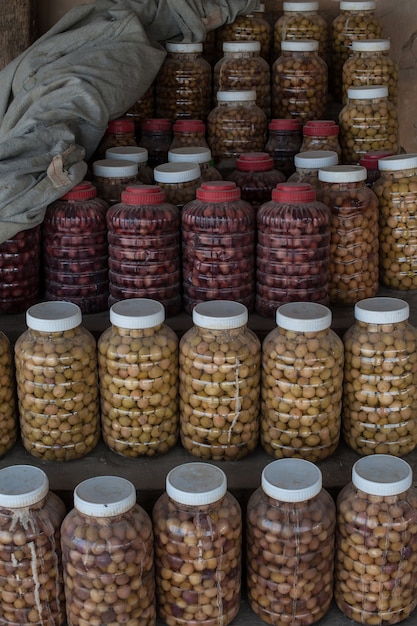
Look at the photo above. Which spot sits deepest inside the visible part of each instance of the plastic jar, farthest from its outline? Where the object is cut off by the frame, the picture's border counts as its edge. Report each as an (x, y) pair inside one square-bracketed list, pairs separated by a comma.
[(183, 83), (395, 190), (144, 248), (189, 134), (220, 368), (354, 243), (291, 523), (198, 535), (30, 563), (380, 388), (156, 136), (376, 547), (218, 246), (307, 166), (57, 383), (256, 177), (321, 135), (107, 554), (370, 161), (283, 143), (112, 176), (19, 270), (144, 108), (302, 378), (136, 154), (250, 27), (199, 155), (138, 376), (8, 413), (119, 132), (300, 20), (75, 249), (179, 181), (293, 249)]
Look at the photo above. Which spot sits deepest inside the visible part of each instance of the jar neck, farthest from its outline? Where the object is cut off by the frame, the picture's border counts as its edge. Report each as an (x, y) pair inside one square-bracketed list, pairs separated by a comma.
[(382, 328), (136, 332), (340, 186)]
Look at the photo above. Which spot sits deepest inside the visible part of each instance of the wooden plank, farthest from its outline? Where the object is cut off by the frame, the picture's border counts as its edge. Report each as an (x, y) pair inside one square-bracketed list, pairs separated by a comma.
[(17, 26)]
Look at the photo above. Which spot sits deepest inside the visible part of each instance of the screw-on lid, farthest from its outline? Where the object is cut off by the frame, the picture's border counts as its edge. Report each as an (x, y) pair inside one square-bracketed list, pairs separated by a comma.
[(367, 93), (83, 191), (22, 486), (303, 316), (177, 46), (382, 475), (284, 124), (53, 316), (356, 5), (218, 191), (124, 125), (156, 124), (293, 192), (320, 128), (104, 496), (299, 45), (189, 126), (314, 159), (241, 46), (137, 313), (342, 174), (398, 162), (127, 153), (220, 314), (189, 154), (370, 160), (300, 6), (236, 96), (382, 310), (196, 484), (115, 168), (255, 162), (176, 172), (143, 194), (370, 45), (291, 480)]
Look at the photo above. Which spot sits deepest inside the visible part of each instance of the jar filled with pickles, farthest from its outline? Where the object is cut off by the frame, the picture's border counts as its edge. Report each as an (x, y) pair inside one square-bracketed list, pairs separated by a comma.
[(301, 20)]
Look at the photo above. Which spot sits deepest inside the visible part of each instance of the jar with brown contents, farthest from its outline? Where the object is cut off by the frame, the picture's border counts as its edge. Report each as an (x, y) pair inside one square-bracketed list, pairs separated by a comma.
[(283, 143), (198, 536), (354, 244), (20, 260), (179, 181), (107, 554), (138, 376), (144, 108), (119, 132), (380, 381), (370, 161), (250, 27), (307, 166), (302, 376), (220, 369), (256, 177), (156, 136), (201, 156), (32, 589), (57, 383), (291, 523), (376, 547), (300, 20), (8, 413), (112, 176), (136, 154), (189, 134), (321, 135)]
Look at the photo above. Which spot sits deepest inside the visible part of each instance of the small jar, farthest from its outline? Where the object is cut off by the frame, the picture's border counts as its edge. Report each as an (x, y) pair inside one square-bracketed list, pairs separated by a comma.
[(307, 166), (112, 176), (119, 132), (156, 136), (293, 249), (376, 546), (301, 20), (32, 589), (189, 134), (370, 161), (302, 377), (142, 109), (57, 383), (256, 177), (283, 143), (20, 258), (321, 135), (291, 523), (8, 412), (179, 181), (395, 191), (138, 376), (380, 388), (250, 27), (299, 81), (183, 83), (220, 368), (136, 154), (107, 554), (201, 156)]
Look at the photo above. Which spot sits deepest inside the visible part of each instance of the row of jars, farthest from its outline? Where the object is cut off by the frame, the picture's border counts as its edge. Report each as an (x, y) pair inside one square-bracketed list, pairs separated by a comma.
[(107, 561)]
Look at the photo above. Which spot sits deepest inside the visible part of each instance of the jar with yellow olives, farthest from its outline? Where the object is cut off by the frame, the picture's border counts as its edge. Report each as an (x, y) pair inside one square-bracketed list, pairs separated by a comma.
[(119, 132), (220, 370), (308, 163), (249, 27), (380, 379), (188, 134), (376, 542), (112, 176), (8, 413), (321, 135), (301, 20)]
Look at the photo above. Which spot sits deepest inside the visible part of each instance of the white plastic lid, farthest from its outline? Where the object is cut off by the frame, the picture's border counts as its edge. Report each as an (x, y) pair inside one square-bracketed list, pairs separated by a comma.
[(314, 159), (382, 475), (291, 480), (299, 45), (342, 174), (367, 93), (382, 310), (190, 154), (196, 484), (128, 153), (300, 6), (104, 496), (398, 162), (220, 314), (356, 5), (22, 486), (370, 45), (115, 168), (236, 96), (53, 316), (176, 172), (176, 46), (241, 46), (137, 313), (303, 316)]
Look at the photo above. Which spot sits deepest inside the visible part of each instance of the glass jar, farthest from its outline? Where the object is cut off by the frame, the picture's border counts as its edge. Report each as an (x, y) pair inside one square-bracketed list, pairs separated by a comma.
[(293, 249), (354, 243), (201, 156), (256, 177), (8, 413), (57, 383), (307, 166), (218, 246), (220, 368), (119, 132), (136, 154), (250, 27), (380, 388), (20, 258), (283, 143), (370, 161), (138, 377), (112, 176), (144, 248), (32, 590), (302, 377), (179, 181), (300, 20), (395, 190), (107, 554), (376, 547), (291, 523), (156, 136), (189, 134), (198, 535), (321, 135), (75, 251), (142, 109), (183, 84)]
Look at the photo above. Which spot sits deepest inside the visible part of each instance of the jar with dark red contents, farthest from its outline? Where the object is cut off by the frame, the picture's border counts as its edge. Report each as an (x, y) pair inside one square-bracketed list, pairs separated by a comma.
[(218, 246), (321, 135), (189, 133), (119, 132), (144, 108), (20, 258), (144, 248), (75, 249), (370, 161), (199, 155), (293, 249), (256, 177), (138, 155), (307, 166), (112, 176), (283, 143), (156, 136)]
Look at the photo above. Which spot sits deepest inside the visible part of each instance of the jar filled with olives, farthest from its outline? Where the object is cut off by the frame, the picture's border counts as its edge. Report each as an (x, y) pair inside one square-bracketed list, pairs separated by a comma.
[(380, 381), (112, 176), (20, 260), (256, 177), (156, 136), (321, 135), (249, 27), (188, 134), (138, 155), (307, 166), (201, 156), (283, 143), (300, 20), (370, 161), (179, 181), (119, 132), (8, 413), (144, 108)]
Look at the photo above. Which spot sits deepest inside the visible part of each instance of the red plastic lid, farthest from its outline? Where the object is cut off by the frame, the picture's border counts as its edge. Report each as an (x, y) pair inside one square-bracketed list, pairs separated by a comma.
[(143, 194), (254, 161), (370, 159), (189, 126), (218, 191), (83, 191), (293, 192), (155, 123), (284, 124), (123, 125), (321, 127)]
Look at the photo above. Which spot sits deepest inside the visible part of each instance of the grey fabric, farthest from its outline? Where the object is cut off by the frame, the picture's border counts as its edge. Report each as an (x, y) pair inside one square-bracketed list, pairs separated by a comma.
[(57, 97)]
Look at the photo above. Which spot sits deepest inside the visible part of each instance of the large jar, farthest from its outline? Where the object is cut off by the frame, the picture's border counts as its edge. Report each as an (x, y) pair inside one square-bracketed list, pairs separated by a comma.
[(376, 547), (291, 523), (354, 243), (156, 136), (380, 381), (198, 536), (138, 376), (253, 26), (189, 134), (20, 258), (144, 108), (32, 590), (201, 156), (8, 413), (302, 377), (179, 181), (256, 177), (107, 555), (301, 20), (57, 383), (299, 81), (218, 246), (112, 176), (396, 193), (138, 155), (119, 132), (220, 369), (283, 143), (293, 249), (307, 166), (321, 135)]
